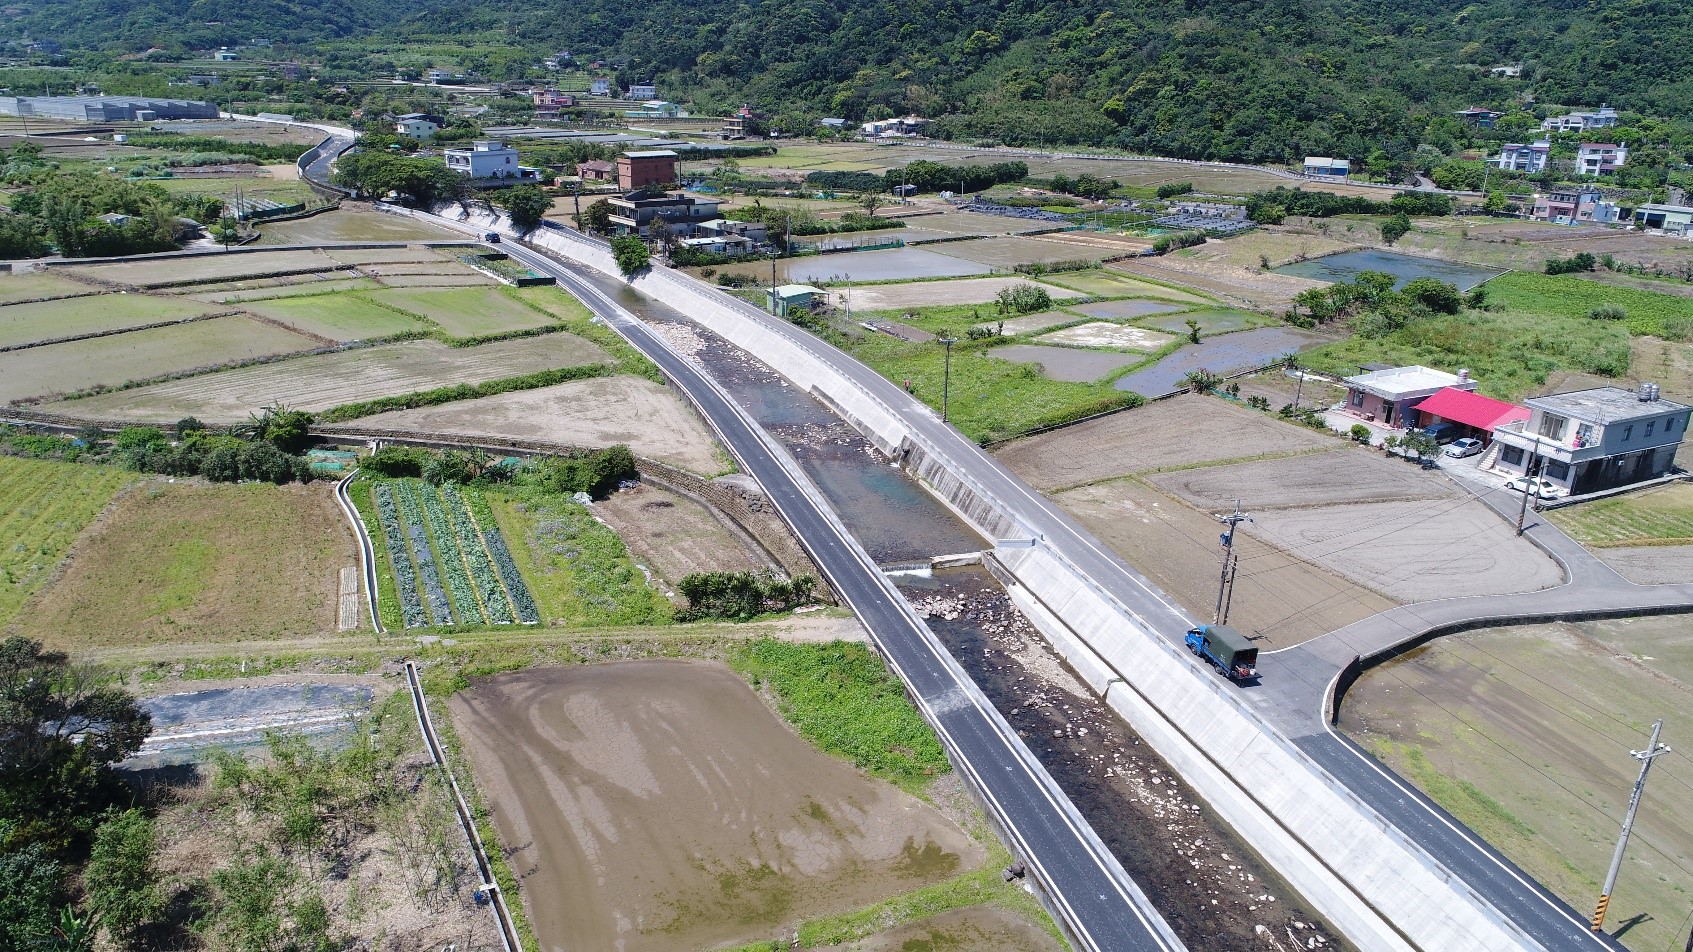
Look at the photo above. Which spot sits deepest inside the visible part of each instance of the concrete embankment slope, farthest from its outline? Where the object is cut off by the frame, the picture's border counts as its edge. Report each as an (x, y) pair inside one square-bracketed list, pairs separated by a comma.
[(1376, 886)]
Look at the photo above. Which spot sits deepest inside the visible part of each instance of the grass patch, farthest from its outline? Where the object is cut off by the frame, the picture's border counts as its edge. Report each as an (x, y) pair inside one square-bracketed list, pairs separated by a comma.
[(461, 391), (44, 506), (840, 697), (1510, 352), (991, 399), (1662, 516), (38, 285), (1461, 798), (463, 312), (73, 317), (337, 316), (578, 570), (1567, 296)]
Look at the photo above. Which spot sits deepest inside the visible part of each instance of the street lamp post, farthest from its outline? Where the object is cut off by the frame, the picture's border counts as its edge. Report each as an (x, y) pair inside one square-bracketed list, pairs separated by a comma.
[(946, 376)]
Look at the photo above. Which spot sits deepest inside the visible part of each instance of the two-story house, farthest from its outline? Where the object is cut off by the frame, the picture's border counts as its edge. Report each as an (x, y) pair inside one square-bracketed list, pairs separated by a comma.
[(1478, 117), (1590, 440), (1604, 118), (418, 125), (641, 91), (1567, 206), (491, 162), (1517, 157), (654, 216), (1600, 158)]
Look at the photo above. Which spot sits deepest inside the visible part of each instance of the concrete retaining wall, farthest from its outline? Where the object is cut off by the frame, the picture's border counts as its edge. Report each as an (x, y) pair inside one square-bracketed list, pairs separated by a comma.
[(1378, 888)]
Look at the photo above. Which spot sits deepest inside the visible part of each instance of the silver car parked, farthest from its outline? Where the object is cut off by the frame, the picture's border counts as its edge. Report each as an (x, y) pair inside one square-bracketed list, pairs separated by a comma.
[(1458, 449)]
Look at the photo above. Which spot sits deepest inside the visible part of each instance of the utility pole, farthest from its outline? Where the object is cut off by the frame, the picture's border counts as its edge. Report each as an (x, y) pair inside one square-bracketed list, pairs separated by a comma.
[(1529, 479), (946, 377), (1225, 582), (576, 193), (1653, 749)]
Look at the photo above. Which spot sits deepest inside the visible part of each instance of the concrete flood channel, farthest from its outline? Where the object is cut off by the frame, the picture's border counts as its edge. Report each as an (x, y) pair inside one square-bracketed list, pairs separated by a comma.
[(1214, 891)]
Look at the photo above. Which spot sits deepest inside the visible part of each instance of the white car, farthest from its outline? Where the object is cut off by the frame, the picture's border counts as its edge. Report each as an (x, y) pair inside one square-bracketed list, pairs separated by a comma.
[(1458, 449), (1535, 486)]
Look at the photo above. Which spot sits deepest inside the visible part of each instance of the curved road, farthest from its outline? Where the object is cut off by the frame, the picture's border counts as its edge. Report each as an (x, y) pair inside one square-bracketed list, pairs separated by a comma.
[(1095, 896)]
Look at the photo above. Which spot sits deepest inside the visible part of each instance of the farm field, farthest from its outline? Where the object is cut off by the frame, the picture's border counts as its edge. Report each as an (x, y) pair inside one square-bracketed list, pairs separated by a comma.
[(674, 536), (1108, 335), (181, 562), (146, 272), (1114, 284), (346, 224), (1659, 516), (1524, 734), (336, 316), (448, 560), (821, 837), (603, 411), (464, 312), (884, 297), (320, 381), (38, 285), (1002, 254), (1067, 364), (322, 284), (73, 317), (121, 358), (44, 506), (1223, 355), (578, 569)]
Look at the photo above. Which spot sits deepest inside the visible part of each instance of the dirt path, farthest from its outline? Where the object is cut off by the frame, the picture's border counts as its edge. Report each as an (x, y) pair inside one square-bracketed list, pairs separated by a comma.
[(660, 805)]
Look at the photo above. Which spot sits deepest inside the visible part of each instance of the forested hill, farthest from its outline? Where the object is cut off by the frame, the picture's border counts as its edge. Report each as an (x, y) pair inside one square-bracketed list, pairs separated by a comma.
[(1243, 79), (135, 25)]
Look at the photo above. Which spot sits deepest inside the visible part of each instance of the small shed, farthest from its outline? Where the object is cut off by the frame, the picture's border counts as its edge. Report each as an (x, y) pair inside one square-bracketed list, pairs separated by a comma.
[(789, 296)]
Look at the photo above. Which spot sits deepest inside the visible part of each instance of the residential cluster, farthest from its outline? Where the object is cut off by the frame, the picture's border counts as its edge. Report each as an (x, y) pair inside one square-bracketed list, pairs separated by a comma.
[(1580, 441)]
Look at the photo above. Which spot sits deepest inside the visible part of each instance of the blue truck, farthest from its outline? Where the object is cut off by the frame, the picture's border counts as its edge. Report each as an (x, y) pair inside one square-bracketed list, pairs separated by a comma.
[(1229, 650)]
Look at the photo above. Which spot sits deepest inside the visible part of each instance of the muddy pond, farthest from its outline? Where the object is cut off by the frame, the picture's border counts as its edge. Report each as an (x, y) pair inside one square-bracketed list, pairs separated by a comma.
[(1348, 264)]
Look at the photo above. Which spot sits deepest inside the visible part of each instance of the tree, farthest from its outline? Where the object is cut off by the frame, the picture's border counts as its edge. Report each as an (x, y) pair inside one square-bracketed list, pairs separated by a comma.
[(62, 726), (631, 254), (1395, 227), (226, 232), (31, 890), (1192, 330), (121, 880), (1434, 294), (527, 204), (871, 202)]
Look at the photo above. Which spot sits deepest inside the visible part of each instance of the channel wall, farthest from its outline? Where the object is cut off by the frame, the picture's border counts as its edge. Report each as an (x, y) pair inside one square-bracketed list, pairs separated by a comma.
[(1373, 884)]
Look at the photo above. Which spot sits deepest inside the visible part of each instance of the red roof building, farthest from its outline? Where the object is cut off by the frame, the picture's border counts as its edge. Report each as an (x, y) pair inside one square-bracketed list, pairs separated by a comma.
[(1473, 412)]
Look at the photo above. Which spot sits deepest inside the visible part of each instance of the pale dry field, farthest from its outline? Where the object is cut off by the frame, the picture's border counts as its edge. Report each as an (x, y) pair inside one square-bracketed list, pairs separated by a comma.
[(140, 355), (1180, 431), (882, 297), (1109, 335), (143, 272), (600, 412), (351, 223), (652, 806), (321, 381), (673, 536)]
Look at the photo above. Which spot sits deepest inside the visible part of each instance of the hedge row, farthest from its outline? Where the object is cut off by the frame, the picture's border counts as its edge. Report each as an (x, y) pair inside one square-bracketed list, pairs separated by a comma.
[(462, 391)]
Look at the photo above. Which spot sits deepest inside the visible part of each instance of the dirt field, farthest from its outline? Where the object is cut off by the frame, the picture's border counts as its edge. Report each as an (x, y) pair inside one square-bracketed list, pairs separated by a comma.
[(659, 805), (673, 536), (1033, 323), (209, 267), (1003, 253), (1247, 286), (321, 381), (1106, 334), (70, 317), (1278, 244), (320, 284), (120, 358), (350, 223), (1068, 363), (182, 562), (1524, 734), (885, 297), (1651, 564), (1278, 599), (1177, 432), (649, 417), (1116, 284), (977, 929)]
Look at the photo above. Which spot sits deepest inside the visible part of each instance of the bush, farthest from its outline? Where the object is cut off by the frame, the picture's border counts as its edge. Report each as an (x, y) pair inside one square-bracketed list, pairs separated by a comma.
[(1023, 299), (1359, 433), (1396, 227), (742, 595), (1164, 244), (1580, 261), (122, 884), (597, 474), (396, 462), (631, 254), (1609, 312), (1434, 294), (1172, 189)]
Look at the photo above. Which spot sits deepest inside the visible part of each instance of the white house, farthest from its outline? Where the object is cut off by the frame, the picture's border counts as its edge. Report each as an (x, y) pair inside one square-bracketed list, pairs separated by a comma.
[(599, 86), (490, 160), (1604, 118), (641, 92), (418, 125), (1589, 440), (1324, 167), (1517, 157), (1600, 158)]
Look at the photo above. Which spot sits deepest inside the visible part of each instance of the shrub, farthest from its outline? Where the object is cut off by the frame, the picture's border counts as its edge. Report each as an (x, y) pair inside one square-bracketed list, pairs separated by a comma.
[(396, 462), (1580, 261), (121, 882), (1359, 433), (597, 474), (631, 254), (1609, 312), (1172, 189), (1164, 244), (1434, 294), (1023, 299), (138, 437), (1396, 227), (742, 595)]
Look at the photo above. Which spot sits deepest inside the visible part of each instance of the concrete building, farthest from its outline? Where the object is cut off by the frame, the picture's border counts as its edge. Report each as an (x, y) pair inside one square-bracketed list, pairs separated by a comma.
[(1600, 158), (735, 126), (599, 86), (1470, 413), (418, 125), (1478, 117), (638, 170), (490, 161), (1569, 206), (1590, 440), (779, 301), (719, 244), (895, 128), (226, 55), (1604, 118), (655, 216), (1321, 166), (655, 109), (641, 91), (1669, 219), (1517, 157), (1391, 396), (106, 108), (753, 231)]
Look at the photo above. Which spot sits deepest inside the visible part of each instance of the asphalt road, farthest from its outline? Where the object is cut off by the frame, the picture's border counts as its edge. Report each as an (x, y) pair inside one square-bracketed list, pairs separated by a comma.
[(1097, 898)]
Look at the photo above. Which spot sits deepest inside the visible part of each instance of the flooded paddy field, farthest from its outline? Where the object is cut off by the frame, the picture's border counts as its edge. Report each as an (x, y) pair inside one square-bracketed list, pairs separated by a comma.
[(1225, 355), (1068, 363), (659, 805), (1347, 265), (1212, 890)]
